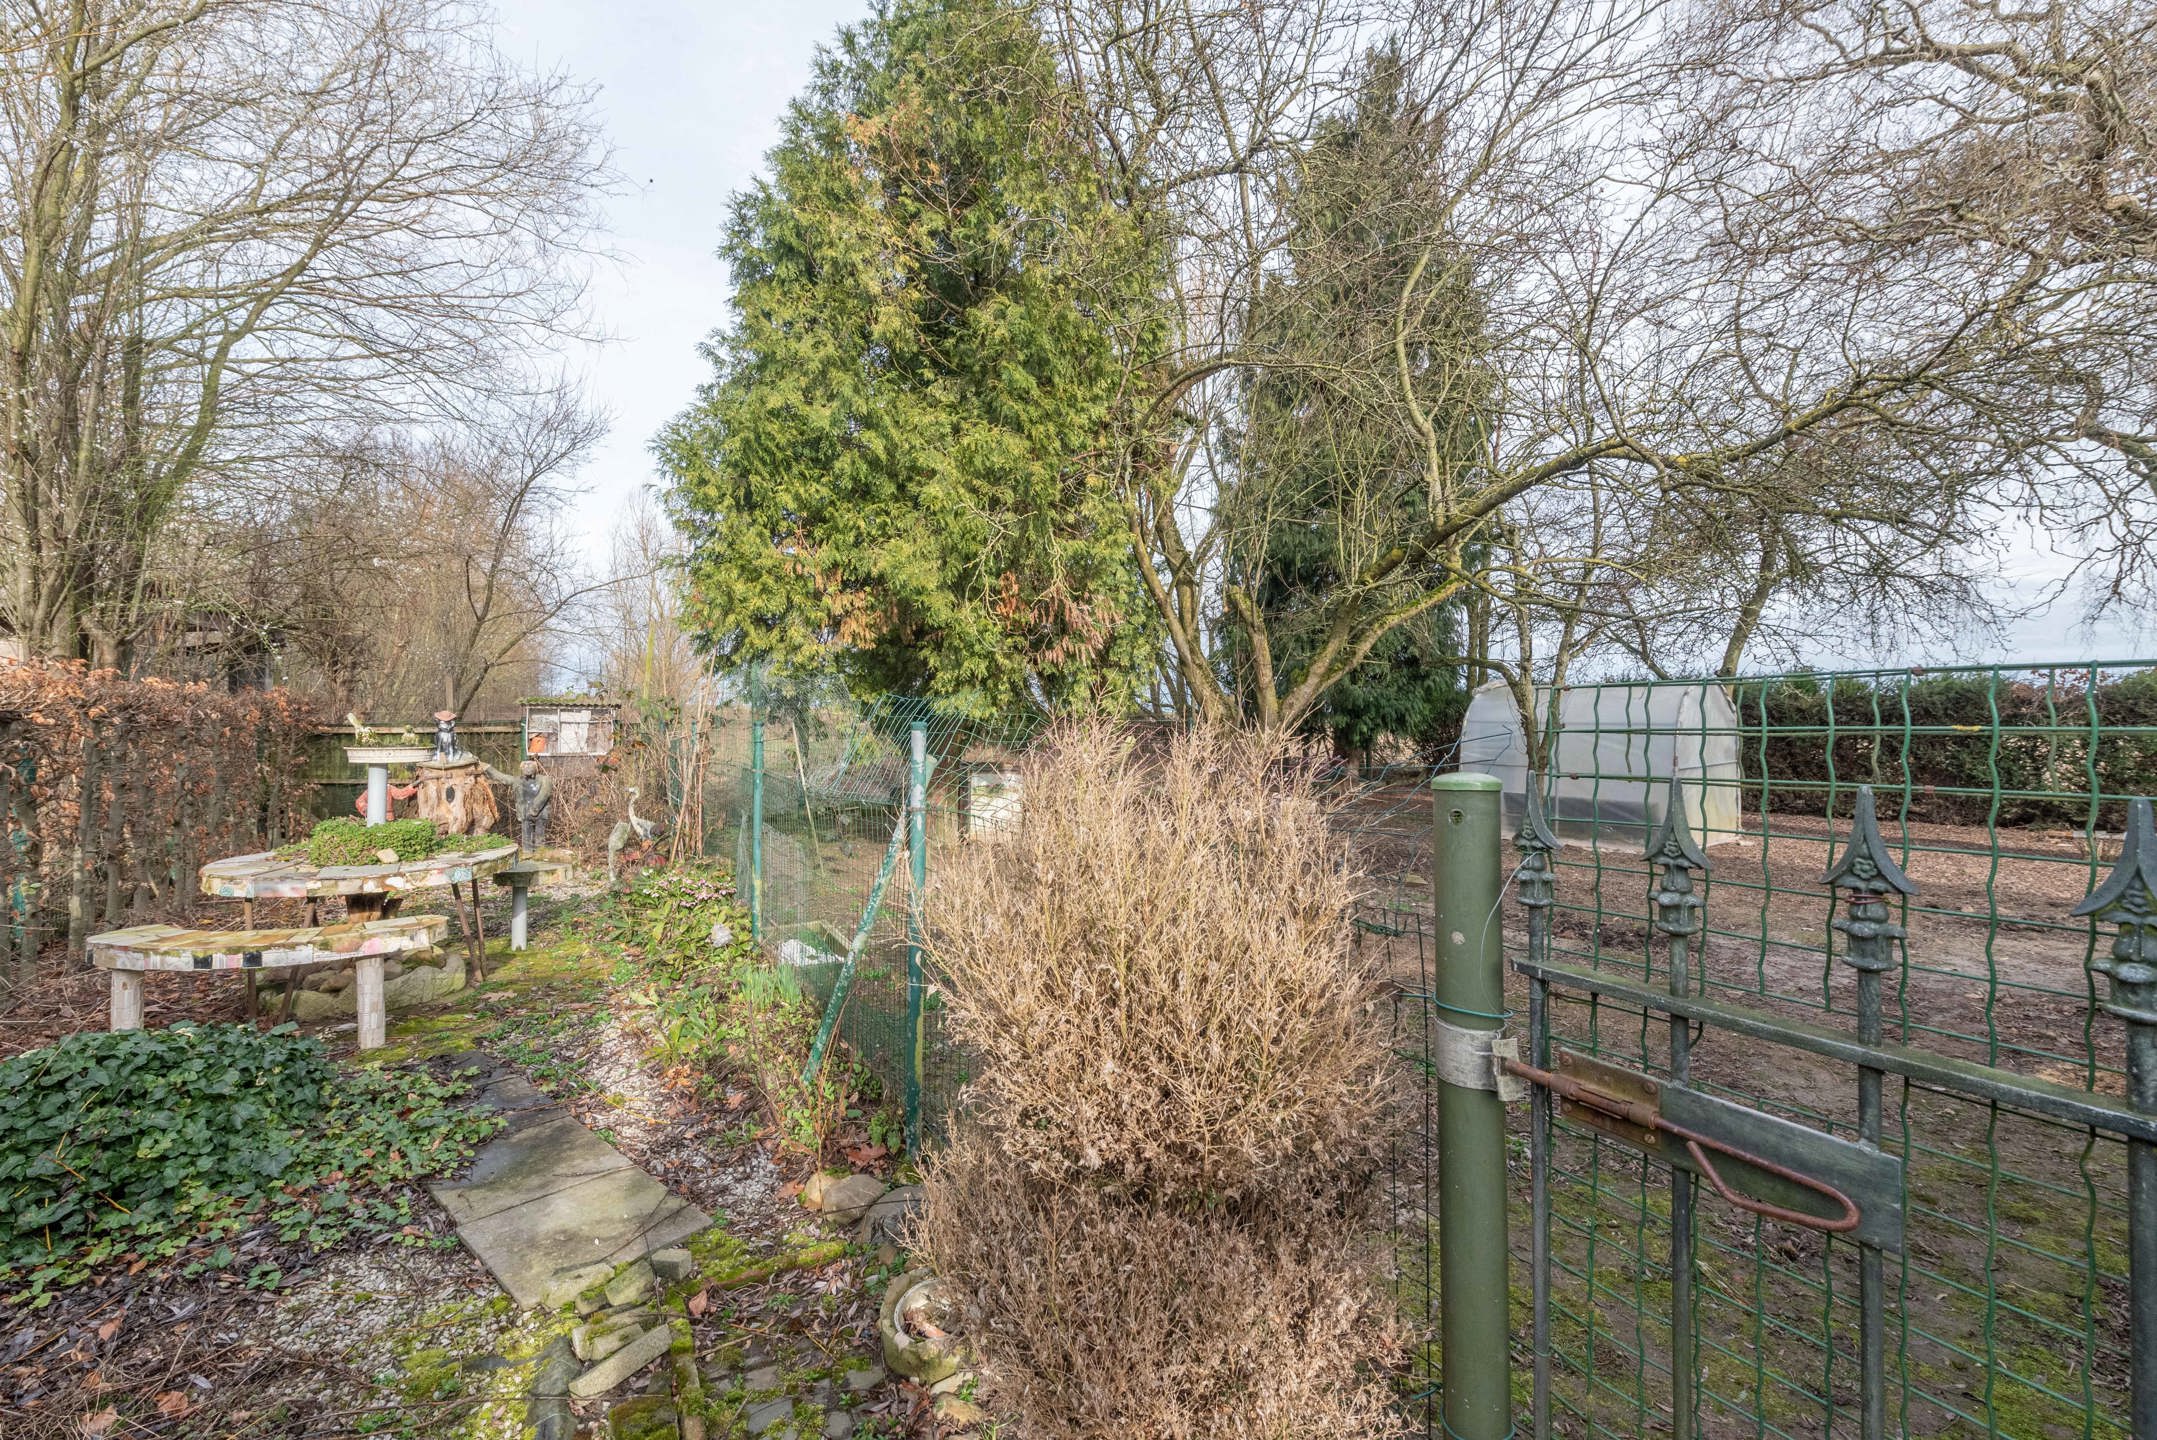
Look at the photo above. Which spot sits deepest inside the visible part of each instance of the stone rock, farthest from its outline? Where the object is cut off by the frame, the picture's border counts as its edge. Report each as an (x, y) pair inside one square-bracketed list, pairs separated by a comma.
[(623, 1363), (487, 1364), (838, 1425), (866, 1378), (549, 1417), (648, 1417), (769, 1416), (846, 1201), (765, 1380), (823, 1395), (594, 1345), (951, 1384), (567, 1286), (592, 1301), (391, 969), (632, 1285), (812, 1189), (959, 1412), (327, 981), (674, 1264), (419, 984), (884, 1222), (557, 1367)]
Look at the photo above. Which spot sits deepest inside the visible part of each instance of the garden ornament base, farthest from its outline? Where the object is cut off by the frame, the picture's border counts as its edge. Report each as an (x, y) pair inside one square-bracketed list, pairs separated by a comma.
[(914, 1306)]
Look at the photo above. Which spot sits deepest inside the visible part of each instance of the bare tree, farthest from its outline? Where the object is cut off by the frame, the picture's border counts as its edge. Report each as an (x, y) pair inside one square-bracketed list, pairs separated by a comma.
[(2005, 147), (231, 225), (1699, 354), (407, 568), (643, 639)]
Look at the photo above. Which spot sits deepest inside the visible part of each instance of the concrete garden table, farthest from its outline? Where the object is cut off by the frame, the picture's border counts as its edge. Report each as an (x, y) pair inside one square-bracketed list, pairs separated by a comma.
[(369, 891), (366, 943)]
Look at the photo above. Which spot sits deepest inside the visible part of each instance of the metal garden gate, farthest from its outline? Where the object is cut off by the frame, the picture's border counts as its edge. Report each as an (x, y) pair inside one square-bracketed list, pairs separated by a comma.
[(1747, 1218)]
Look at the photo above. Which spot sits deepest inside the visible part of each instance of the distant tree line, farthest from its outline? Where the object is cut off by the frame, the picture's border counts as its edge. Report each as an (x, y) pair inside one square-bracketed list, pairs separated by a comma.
[(278, 284)]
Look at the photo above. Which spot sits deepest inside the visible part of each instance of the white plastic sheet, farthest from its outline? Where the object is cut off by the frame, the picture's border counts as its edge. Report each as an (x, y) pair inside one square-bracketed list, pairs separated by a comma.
[(1617, 747)]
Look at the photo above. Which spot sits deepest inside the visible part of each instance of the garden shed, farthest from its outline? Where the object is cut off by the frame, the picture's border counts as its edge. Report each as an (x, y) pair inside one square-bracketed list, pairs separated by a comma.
[(1617, 746), (570, 735)]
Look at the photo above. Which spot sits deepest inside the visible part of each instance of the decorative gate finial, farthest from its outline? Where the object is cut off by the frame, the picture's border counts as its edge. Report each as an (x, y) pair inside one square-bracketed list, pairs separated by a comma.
[(2128, 899), (1869, 873), (1536, 843), (1676, 854)]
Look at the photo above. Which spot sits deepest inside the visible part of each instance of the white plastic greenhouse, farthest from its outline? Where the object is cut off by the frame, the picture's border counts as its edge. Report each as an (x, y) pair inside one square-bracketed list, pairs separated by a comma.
[(1617, 747)]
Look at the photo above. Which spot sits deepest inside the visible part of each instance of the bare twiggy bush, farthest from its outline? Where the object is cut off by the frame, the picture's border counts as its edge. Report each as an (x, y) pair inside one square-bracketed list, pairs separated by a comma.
[(1155, 971), (1157, 1215), (1096, 1317)]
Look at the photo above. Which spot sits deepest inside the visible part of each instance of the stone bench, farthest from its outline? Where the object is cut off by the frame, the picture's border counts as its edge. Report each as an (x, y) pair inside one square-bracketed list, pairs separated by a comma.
[(365, 943), (520, 878)]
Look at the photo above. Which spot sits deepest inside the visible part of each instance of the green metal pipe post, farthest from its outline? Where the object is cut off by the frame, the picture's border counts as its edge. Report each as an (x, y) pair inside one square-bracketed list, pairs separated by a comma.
[(1469, 993), (756, 811), (917, 852)]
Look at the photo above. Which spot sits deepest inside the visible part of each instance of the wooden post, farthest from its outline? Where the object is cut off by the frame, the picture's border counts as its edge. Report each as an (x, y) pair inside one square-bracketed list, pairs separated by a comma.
[(127, 999), (367, 990)]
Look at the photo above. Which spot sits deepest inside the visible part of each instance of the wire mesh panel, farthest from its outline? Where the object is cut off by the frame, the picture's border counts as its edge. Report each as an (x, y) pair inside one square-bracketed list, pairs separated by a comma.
[(1995, 1057), (834, 859)]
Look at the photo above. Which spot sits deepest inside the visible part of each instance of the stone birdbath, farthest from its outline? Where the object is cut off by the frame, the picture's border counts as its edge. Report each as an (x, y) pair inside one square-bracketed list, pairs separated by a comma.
[(377, 759)]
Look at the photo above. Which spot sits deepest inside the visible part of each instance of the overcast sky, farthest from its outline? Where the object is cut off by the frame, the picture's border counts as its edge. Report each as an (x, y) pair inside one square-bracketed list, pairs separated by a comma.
[(691, 94)]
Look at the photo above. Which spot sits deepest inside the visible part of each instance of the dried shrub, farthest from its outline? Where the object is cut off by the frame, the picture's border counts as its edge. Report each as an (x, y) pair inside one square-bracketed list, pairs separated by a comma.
[(117, 790), (1158, 1213)]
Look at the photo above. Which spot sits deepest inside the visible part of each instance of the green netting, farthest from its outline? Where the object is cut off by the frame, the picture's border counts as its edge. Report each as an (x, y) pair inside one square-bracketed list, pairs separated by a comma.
[(832, 790), (2002, 792)]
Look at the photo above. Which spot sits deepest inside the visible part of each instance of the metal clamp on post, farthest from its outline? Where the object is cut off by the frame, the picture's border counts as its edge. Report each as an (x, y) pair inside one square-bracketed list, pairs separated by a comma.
[(1471, 1059)]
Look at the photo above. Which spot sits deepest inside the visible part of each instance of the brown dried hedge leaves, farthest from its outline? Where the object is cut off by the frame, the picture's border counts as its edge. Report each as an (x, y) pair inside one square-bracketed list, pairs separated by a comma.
[(1158, 1210)]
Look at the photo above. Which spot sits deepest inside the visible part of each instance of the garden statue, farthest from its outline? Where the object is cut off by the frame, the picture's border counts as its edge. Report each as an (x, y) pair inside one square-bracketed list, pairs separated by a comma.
[(634, 831), (533, 789), (446, 750), (453, 789), (535, 798)]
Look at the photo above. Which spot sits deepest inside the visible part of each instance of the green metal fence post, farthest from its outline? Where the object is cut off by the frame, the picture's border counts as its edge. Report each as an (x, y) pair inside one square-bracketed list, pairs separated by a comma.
[(917, 842), (756, 809), (1469, 993)]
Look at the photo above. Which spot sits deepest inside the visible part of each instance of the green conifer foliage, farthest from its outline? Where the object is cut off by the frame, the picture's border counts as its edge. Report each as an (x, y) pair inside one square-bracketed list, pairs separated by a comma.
[(901, 467)]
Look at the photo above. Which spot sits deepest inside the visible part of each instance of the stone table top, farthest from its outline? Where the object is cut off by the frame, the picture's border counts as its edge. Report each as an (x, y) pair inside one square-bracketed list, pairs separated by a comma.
[(173, 947), (270, 876)]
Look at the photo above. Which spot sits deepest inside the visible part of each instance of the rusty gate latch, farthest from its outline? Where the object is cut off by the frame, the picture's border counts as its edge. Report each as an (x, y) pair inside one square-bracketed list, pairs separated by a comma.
[(1628, 1106)]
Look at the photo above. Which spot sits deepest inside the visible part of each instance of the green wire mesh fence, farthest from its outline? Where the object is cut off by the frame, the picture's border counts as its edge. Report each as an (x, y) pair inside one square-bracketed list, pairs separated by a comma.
[(2002, 792), (815, 814)]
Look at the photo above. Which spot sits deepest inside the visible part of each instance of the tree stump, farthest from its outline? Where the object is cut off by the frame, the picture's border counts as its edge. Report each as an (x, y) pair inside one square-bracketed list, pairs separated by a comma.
[(457, 797)]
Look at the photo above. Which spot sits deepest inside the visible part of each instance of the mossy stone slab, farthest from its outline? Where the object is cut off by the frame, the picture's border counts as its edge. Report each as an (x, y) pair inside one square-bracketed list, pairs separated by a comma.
[(610, 1218), (532, 1161)]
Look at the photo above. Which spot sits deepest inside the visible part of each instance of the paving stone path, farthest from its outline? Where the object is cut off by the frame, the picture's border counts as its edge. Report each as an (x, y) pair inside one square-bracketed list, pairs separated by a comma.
[(590, 1246), (547, 1199)]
